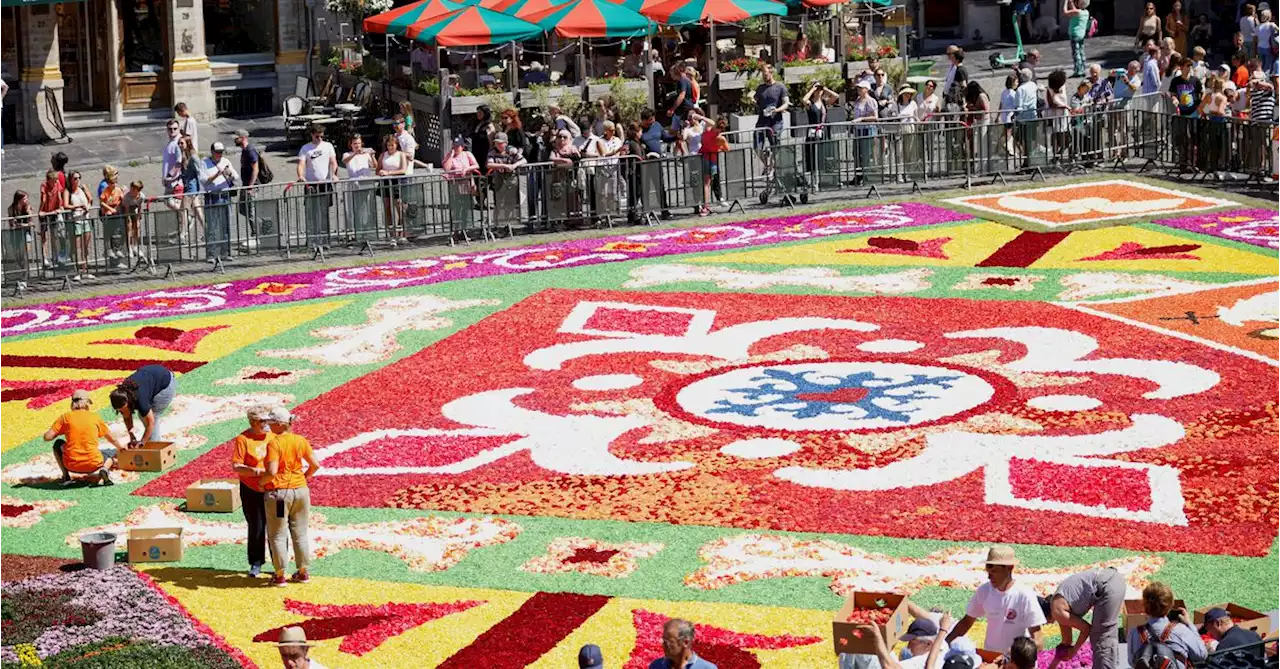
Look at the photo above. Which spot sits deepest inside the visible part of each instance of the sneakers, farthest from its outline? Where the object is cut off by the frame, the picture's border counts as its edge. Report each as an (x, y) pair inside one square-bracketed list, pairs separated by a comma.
[(255, 570), (67, 482), (278, 580), (302, 576), (89, 277), (104, 477), (75, 278)]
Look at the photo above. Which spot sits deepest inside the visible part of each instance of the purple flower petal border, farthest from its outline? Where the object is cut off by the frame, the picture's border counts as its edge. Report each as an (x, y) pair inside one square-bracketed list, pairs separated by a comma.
[(284, 288), (1260, 227)]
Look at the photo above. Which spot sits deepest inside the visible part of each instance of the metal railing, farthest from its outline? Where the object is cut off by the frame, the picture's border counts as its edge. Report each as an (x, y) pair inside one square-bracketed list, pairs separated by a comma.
[(362, 215)]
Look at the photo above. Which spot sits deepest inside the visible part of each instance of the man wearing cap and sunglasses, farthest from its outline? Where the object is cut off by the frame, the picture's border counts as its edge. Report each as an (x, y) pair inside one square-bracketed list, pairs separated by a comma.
[(217, 178), (1010, 610), (294, 649), (77, 449)]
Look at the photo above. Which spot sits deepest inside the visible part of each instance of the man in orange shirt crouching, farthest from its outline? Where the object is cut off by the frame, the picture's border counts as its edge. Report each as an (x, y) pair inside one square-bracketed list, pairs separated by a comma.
[(288, 499), (77, 449)]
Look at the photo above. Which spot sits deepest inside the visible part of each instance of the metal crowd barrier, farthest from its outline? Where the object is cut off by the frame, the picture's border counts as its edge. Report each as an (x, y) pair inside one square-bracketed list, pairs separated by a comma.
[(364, 214)]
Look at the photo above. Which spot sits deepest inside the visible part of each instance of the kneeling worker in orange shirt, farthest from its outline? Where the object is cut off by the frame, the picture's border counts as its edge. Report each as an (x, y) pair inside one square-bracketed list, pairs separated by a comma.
[(77, 449)]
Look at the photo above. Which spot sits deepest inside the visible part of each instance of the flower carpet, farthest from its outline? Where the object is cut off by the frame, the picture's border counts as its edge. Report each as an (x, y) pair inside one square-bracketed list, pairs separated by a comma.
[(533, 448)]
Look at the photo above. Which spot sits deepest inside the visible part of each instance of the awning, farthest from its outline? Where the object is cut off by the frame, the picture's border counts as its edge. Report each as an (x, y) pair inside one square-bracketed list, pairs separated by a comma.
[(27, 3)]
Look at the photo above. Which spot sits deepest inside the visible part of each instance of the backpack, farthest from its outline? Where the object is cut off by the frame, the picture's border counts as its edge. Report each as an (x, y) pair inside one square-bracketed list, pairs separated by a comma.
[(265, 175), (1155, 652), (1093, 27)]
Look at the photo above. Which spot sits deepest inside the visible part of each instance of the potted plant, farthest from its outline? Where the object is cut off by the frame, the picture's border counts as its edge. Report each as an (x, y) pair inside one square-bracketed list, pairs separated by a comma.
[(540, 96), (733, 75), (468, 100), (744, 117), (796, 71), (426, 95)]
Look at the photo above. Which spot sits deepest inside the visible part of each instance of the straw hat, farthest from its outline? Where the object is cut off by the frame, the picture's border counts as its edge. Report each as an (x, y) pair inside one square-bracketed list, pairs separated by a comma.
[(294, 636), (1001, 555), (906, 89)]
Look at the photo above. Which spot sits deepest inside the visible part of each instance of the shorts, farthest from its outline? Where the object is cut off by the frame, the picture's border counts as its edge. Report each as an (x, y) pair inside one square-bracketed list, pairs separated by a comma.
[(390, 187), (767, 133), (709, 164), (82, 226), (57, 451)]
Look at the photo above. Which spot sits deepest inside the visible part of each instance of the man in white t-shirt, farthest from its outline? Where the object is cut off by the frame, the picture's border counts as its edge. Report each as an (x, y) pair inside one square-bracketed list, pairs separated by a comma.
[(318, 169), (217, 177), (1010, 610), (171, 156), (406, 141)]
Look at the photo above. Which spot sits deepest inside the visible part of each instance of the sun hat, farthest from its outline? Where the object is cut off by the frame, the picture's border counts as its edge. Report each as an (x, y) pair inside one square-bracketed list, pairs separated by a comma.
[(1001, 555), (294, 636), (281, 415), (906, 88), (81, 396)]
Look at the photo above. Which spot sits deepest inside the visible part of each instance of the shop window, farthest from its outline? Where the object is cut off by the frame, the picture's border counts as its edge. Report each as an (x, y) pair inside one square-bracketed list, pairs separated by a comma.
[(144, 39), (239, 26)]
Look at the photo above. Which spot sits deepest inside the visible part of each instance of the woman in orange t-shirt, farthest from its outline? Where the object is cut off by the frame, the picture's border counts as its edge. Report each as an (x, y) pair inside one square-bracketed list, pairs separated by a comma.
[(77, 449), (288, 498), (249, 462)]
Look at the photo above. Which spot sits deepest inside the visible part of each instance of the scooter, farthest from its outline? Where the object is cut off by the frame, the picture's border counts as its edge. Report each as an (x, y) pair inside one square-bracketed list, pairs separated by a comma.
[(1020, 8)]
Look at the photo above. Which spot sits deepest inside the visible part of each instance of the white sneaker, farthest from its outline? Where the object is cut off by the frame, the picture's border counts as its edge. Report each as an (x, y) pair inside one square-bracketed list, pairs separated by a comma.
[(89, 277), (75, 278), (211, 260)]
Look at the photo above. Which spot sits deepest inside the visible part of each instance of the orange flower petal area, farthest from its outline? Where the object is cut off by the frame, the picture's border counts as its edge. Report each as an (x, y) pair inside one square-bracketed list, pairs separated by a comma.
[(1089, 202)]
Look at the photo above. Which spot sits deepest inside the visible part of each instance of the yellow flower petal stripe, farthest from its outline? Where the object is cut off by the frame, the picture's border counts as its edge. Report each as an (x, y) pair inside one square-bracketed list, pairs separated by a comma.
[(1210, 257), (22, 424), (239, 608)]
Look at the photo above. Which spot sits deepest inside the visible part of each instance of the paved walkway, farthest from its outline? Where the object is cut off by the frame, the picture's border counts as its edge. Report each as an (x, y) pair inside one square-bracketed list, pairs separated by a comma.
[(134, 150)]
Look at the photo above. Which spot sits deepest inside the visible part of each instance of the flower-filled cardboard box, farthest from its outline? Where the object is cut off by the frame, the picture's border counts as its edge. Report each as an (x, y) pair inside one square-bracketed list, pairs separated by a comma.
[(214, 495), (1136, 616), (153, 456), (1243, 616), (155, 544), (849, 630)]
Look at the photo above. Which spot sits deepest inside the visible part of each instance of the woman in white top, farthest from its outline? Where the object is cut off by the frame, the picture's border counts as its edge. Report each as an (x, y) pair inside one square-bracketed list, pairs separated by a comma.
[(392, 163), (77, 200), (606, 149), (1008, 99), (690, 136), (359, 160), (1056, 100), (927, 102), (359, 163)]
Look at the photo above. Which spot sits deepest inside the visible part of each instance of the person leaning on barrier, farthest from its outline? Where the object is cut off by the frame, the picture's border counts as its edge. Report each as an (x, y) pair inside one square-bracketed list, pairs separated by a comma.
[(76, 200), (391, 165), (216, 178), (318, 170), (1226, 634), (251, 171)]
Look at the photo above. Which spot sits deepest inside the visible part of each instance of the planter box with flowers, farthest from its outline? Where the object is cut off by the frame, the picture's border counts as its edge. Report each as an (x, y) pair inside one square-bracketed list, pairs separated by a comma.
[(599, 88), (469, 103), (803, 70), (537, 96), (735, 73)]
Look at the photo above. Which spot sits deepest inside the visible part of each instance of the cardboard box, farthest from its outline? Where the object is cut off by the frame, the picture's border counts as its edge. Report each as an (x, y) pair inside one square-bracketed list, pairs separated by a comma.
[(1246, 618), (203, 497), (155, 544), (989, 656), (153, 456), (1134, 616), (854, 638)]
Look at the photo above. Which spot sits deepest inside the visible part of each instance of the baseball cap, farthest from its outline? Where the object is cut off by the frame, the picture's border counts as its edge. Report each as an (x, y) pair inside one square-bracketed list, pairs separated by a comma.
[(920, 628), (962, 655), (500, 137), (217, 147), (1212, 616), (864, 84), (281, 415), (590, 657), (240, 132), (83, 396)]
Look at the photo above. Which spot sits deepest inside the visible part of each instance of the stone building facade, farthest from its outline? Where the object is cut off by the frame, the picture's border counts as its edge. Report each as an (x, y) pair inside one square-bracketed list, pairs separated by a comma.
[(113, 59)]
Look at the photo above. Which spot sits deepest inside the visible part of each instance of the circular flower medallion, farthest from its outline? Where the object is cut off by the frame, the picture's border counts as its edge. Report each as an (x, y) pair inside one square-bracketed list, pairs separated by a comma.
[(844, 396)]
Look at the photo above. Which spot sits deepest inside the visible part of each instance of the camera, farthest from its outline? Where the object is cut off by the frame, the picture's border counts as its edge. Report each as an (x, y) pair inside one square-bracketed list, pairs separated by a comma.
[(1175, 615)]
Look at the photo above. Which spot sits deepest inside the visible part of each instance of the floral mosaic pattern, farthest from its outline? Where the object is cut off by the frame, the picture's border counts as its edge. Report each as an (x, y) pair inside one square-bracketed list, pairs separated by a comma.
[(271, 290), (1260, 227)]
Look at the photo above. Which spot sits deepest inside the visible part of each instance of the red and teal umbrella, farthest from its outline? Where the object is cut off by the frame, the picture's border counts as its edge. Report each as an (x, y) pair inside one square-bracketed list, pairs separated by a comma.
[(586, 18), (400, 20), (474, 26), (686, 12)]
